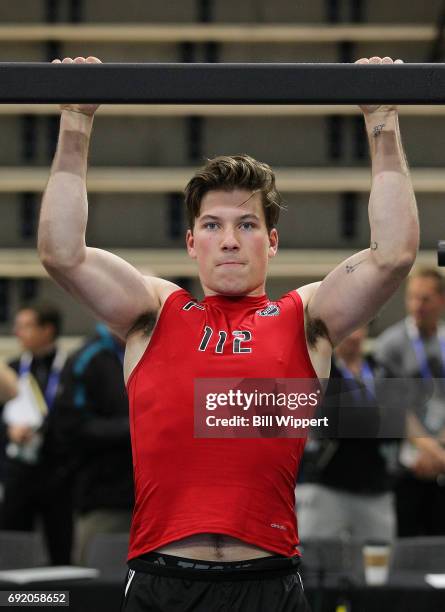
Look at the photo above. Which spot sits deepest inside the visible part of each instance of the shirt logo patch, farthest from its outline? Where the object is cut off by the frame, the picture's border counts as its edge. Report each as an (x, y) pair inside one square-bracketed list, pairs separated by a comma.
[(271, 310)]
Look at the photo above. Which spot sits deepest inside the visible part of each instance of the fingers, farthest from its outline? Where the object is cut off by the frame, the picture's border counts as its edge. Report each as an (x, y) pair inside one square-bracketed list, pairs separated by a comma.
[(78, 60), (378, 60)]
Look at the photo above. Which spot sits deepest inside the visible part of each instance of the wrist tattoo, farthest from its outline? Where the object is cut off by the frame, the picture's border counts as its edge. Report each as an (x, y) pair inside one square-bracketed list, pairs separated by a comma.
[(350, 269), (374, 246), (377, 130)]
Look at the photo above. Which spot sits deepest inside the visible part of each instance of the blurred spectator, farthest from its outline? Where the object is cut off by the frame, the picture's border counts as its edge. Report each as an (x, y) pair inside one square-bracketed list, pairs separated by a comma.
[(91, 419), (344, 489), (415, 348), (34, 485)]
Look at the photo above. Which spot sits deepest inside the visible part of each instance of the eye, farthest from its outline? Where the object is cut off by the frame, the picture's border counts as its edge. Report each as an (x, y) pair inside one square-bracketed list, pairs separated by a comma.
[(211, 225), (247, 225)]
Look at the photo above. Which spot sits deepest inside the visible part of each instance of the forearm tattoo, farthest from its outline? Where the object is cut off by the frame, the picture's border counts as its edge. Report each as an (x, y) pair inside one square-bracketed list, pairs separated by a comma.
[(350, 269), (378, 130)]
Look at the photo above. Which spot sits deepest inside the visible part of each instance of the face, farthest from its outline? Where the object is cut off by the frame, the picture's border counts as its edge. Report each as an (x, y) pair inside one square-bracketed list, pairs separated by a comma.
[(352, 345), (424, 302), (231, 244), (32, 336)]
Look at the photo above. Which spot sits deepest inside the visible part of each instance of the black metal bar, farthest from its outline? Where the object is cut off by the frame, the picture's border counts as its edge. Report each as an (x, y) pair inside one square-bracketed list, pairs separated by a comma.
[(236, 83)]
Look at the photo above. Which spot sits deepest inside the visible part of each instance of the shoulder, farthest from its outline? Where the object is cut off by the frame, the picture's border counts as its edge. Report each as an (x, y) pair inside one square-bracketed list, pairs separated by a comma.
[(306, 292), (163, 288)]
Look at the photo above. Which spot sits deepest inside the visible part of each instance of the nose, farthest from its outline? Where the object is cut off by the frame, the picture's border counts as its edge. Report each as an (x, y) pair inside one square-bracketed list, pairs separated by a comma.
[(229, 240)]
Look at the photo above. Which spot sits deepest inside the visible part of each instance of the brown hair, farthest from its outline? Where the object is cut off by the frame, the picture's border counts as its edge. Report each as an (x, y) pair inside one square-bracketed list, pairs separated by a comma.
[(46, 314), (234, 172), (432, 273)]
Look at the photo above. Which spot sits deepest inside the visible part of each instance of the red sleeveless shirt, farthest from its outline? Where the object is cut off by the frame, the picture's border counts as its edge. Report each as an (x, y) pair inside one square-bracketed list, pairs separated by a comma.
[(242, 488)]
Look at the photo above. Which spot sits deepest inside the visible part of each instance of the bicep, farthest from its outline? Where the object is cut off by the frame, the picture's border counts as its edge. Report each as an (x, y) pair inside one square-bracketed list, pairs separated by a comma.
[(352, 294), (113, 290)]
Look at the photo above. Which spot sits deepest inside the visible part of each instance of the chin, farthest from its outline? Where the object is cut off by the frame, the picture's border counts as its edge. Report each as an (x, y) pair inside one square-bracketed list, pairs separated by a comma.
[(231, 287)]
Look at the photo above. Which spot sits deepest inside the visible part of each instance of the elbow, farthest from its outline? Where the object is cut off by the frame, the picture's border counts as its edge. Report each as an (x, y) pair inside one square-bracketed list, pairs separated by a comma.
[(399, 266), (59, 259)]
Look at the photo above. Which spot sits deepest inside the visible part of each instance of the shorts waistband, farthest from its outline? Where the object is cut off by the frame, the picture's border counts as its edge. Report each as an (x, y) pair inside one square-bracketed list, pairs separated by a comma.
[(199, 569)]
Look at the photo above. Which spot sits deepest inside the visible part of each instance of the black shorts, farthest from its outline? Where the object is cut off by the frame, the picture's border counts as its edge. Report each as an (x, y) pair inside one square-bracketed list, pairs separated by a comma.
[(163, 583)]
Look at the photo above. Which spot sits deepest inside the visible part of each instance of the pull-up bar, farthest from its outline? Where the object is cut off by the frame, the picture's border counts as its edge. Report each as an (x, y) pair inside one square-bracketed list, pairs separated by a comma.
[(234, 83)]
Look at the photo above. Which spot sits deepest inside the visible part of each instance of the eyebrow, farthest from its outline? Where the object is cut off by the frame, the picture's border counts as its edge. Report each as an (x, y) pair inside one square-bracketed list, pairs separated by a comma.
[(241, 218)]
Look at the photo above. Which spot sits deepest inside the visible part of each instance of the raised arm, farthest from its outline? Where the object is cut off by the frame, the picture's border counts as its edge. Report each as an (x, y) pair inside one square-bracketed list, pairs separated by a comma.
[(113, 290), (352, 294)]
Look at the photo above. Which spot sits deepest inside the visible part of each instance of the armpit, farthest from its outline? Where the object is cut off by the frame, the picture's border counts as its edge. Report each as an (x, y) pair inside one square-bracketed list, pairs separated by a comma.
[(144, 323), (315, 329)]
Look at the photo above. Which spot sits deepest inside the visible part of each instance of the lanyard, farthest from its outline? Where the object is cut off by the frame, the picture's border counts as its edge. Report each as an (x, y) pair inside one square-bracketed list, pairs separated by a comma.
[(366, 377), (419, 349), (53, 378)]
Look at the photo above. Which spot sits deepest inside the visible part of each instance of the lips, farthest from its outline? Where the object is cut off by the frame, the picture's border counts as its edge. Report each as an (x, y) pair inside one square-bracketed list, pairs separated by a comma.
[(231, 263)]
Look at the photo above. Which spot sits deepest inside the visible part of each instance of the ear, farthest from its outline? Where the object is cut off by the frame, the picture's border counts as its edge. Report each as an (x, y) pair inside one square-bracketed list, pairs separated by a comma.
[(273, 243), (190, 242)]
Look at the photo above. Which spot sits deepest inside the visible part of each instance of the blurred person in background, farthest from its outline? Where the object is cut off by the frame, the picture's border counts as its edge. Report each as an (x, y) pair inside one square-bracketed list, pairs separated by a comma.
[(90, 428), (34, 486), (415, 348), (345, 486)]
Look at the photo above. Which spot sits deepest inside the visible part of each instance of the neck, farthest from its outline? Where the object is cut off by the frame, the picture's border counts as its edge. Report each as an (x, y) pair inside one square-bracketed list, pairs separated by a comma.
[(44, 350), (257, 291), (427, 330)]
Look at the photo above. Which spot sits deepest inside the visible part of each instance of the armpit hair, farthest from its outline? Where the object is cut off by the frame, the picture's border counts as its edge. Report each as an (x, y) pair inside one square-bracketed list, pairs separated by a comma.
[(144, 323), (315, 329)]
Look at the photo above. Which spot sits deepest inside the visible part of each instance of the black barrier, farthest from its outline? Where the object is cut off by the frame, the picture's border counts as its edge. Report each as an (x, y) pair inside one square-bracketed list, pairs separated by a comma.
[(239, 83)]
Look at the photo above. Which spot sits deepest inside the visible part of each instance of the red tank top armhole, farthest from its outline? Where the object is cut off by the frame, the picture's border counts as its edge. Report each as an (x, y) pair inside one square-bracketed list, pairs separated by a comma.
[(296, 297), (167, 304)]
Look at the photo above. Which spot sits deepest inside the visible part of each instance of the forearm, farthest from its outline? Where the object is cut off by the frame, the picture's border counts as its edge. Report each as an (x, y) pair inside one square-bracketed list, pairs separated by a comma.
[(392, 205), (64, 212)]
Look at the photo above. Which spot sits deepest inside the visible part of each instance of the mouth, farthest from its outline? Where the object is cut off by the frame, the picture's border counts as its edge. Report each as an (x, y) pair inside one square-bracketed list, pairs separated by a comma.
[(230, 263)]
